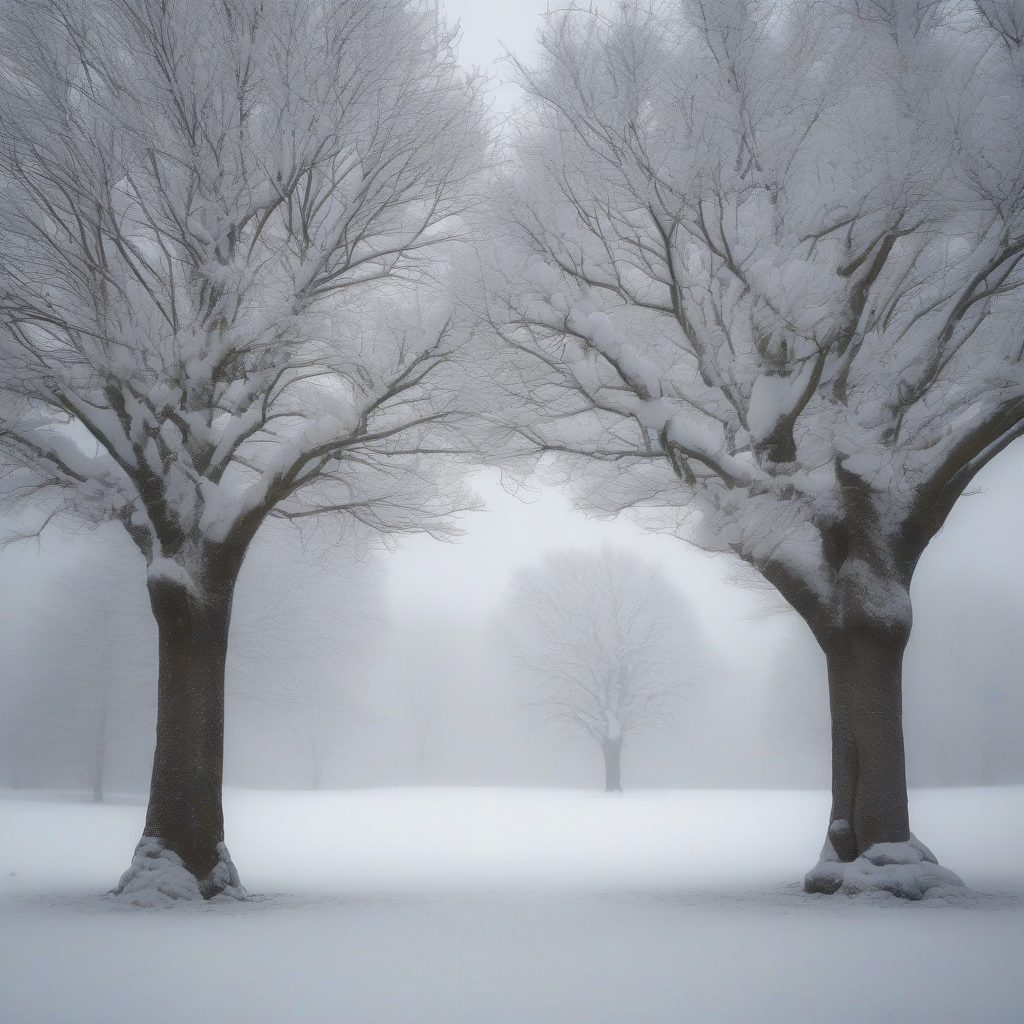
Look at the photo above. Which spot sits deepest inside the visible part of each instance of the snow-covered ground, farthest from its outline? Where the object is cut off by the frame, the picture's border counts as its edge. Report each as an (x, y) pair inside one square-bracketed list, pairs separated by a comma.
[(490, 906)]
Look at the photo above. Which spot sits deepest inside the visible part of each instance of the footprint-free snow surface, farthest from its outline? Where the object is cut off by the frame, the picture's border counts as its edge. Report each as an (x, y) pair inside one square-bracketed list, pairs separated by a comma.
[(492, 906)]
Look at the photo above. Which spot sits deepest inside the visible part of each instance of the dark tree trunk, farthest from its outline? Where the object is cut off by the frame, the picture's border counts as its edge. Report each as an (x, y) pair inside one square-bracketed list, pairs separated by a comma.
[(864, 648), (862, 627), (612, 750), (185, 811), (869, 780)]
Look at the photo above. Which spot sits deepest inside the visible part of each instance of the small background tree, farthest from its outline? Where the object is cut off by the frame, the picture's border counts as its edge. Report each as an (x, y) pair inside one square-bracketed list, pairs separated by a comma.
[(606, 644), (77, 704), (308, 622)]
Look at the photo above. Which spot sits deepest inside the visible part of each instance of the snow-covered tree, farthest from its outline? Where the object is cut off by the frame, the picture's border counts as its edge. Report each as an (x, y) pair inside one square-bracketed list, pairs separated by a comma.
[(764, 274), (224, 228), (607, 645)]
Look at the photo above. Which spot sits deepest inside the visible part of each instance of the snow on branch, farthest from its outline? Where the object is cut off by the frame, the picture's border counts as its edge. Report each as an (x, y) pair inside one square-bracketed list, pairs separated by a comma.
[(224, 235), (778, 254)]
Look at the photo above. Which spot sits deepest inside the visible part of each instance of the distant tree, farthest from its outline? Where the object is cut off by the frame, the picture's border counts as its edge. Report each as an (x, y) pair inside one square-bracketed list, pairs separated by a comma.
[(763, 279), (413, 680), (84, 698), (434, 689), (223, 231), (964, 685), (607, 644), (306, 622), (423, 713)]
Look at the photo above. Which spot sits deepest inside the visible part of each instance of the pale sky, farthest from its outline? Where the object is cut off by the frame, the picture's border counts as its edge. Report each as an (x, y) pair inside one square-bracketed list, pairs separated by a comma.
[(489, 27)]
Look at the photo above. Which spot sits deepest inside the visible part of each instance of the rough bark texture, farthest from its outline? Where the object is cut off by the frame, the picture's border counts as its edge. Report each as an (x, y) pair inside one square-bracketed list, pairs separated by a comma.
[(612, 750), (185, 816), (862, 625), (869, 848), (869, 781)]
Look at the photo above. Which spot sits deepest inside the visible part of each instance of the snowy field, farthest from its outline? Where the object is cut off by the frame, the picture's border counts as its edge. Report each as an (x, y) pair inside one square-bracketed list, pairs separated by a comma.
[(477, 906)]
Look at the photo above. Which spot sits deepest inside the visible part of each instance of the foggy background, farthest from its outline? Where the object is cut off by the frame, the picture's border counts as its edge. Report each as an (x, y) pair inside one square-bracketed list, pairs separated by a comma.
[(353, 666)]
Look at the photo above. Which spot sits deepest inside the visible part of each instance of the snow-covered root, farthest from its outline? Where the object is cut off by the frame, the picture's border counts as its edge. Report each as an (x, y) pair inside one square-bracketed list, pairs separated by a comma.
[(158, 877), (908, 870)]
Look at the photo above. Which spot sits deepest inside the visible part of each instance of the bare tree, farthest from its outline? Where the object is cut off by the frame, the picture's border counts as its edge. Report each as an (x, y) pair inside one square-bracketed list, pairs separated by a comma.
[(83, 703), (306, 622), (763, 269), (607, 644), (423, 653), (219, 226)]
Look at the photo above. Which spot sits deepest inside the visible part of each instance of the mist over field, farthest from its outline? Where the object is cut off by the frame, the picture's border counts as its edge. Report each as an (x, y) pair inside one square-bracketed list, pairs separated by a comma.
[(362, 668)]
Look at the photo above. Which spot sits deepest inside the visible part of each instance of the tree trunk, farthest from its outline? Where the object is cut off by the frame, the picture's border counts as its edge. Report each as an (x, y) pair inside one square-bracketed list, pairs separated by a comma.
[(185, 812), (863, 625), (316, 759), (99, 765), (869, 780), (612, 750)]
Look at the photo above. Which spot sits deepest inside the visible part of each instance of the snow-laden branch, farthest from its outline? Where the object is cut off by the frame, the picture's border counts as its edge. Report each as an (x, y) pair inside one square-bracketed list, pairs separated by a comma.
[(783, 260), (225, 241)]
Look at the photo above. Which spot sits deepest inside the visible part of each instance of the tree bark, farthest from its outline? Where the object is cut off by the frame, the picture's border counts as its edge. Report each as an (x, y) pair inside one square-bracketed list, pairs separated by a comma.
[(185, 811), (862, 627), (869, 781), (612, 750)]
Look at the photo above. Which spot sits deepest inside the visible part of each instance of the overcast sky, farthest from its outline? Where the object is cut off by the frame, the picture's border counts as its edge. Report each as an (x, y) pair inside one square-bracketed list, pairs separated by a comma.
[(489, 29)]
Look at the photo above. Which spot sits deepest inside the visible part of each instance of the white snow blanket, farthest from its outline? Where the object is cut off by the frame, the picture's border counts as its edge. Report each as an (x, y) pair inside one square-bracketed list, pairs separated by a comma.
[(491, 906)]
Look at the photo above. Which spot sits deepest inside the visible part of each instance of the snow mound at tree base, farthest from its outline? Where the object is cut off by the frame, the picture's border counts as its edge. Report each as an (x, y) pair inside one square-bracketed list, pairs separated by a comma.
[(157, 877), (908, 870)]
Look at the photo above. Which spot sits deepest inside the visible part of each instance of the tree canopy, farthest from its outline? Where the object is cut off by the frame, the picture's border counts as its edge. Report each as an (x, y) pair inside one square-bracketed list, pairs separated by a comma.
[(763, 253), (221, 281)]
